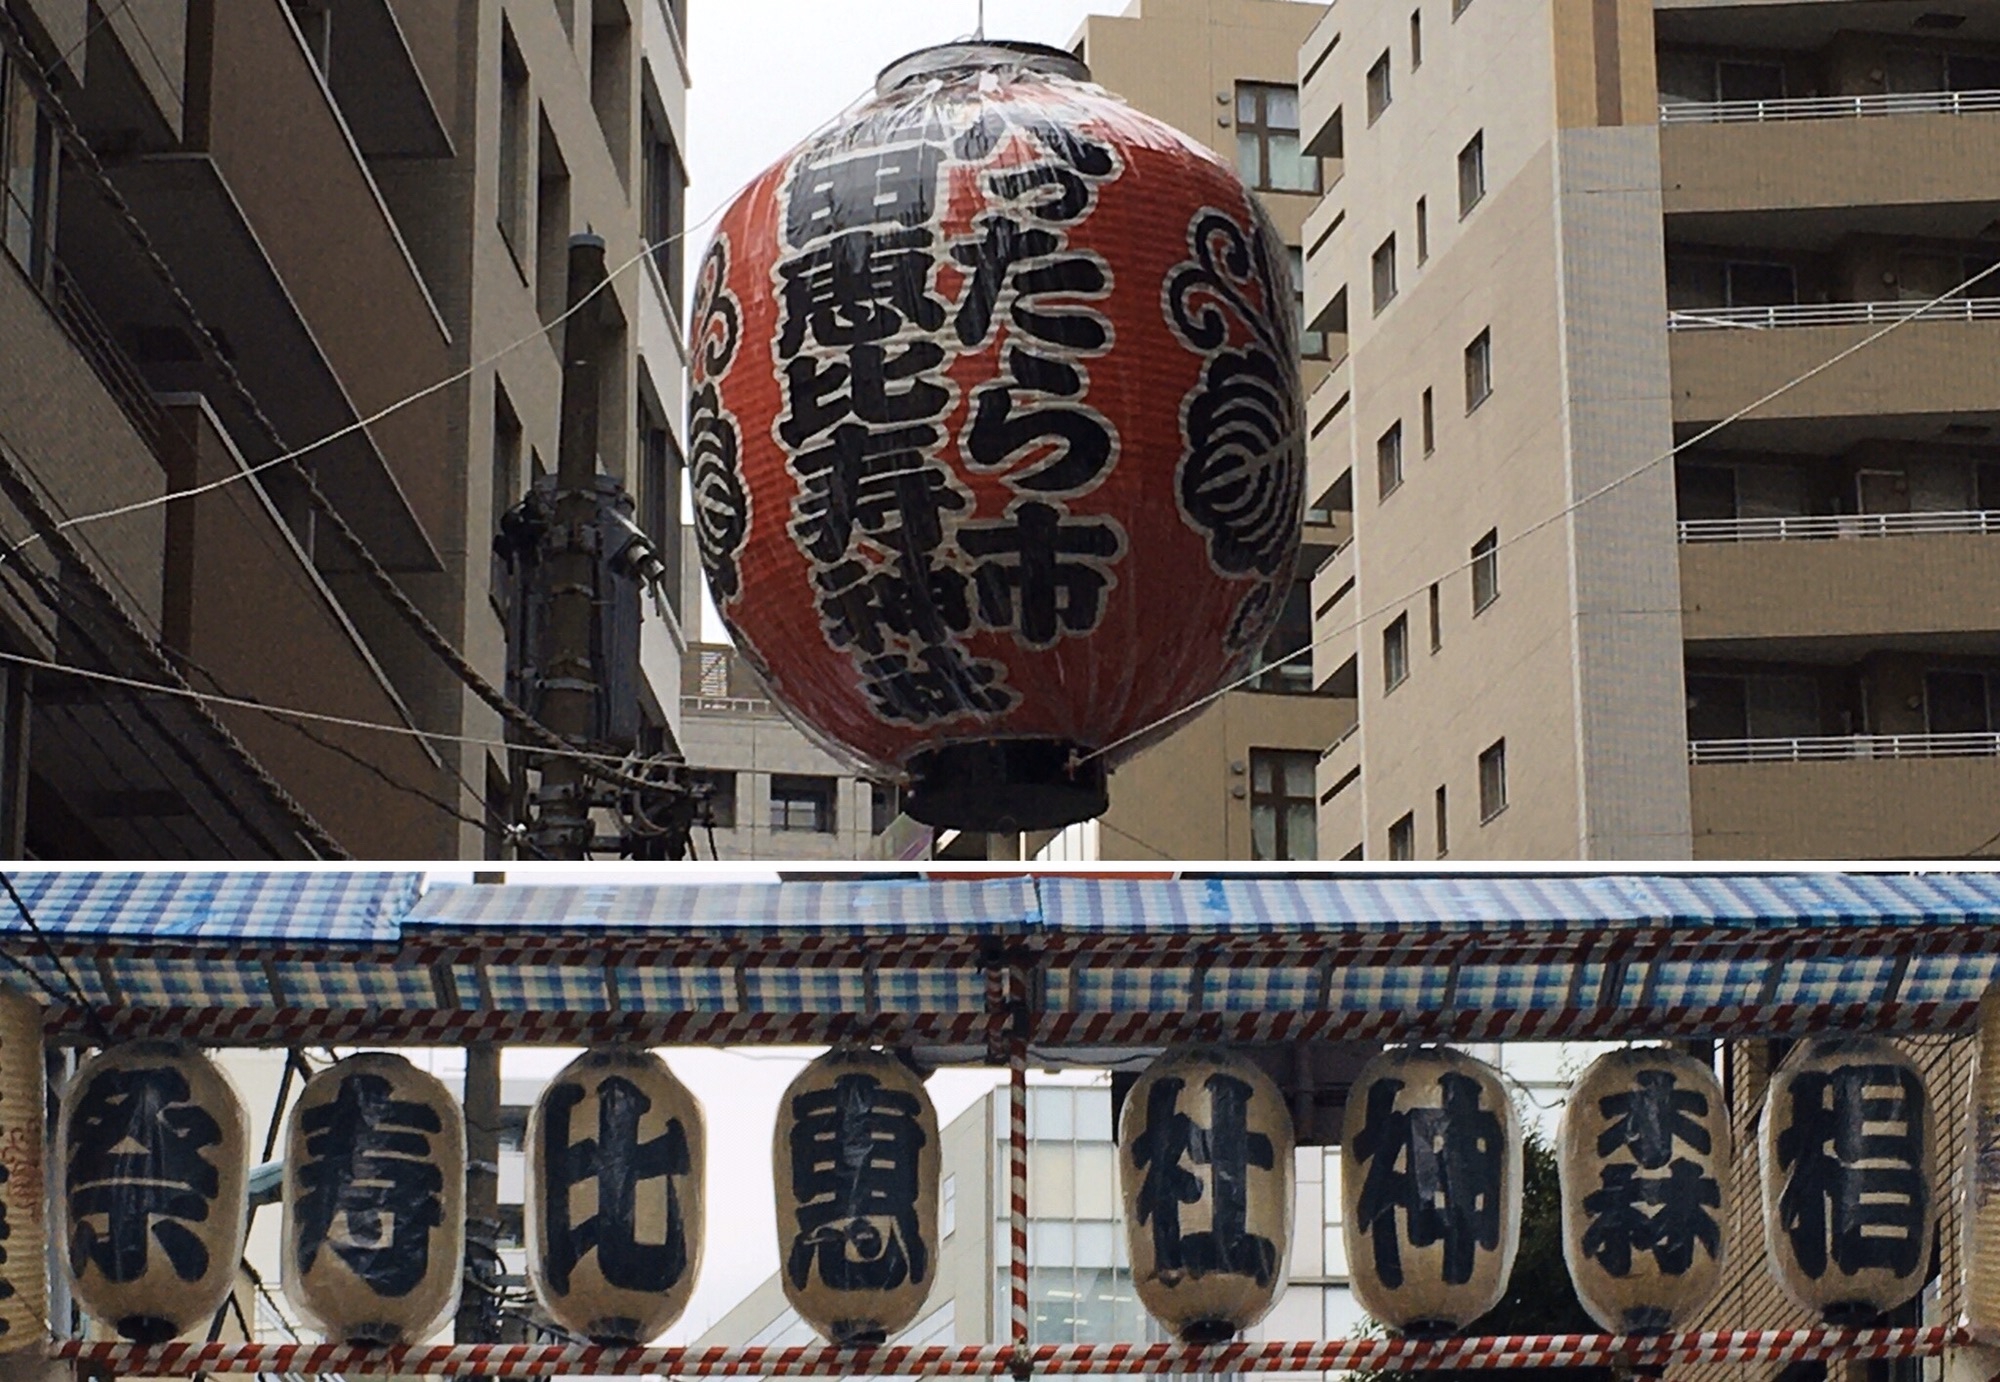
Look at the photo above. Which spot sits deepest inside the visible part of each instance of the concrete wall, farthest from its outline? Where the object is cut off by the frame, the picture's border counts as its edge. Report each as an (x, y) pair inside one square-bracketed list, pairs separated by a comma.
[(1860, 809), (1946, 583)]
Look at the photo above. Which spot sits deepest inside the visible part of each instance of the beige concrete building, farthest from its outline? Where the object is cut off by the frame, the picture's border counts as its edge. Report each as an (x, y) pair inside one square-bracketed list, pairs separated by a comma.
[(359, 200), (1561, 240)]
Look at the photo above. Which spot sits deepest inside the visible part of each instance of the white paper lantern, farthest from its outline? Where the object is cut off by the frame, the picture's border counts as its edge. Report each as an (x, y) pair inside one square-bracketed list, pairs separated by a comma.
[(855, 1161), (616, 1166), (1980, 1244), (1645, 1157), (1849, 1154), (1205, 1164), (374, 1236), (155, 1154), (24, 1235), (1430, 1165)]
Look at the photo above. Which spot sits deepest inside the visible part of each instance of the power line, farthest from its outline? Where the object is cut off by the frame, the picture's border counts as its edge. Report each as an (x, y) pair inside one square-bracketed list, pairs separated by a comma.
[(1364, 619)]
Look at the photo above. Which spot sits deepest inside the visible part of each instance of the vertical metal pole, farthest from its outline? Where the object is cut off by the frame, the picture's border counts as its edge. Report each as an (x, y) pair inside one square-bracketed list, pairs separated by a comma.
[(475, 1320), (562, 828), (1017, 1202)]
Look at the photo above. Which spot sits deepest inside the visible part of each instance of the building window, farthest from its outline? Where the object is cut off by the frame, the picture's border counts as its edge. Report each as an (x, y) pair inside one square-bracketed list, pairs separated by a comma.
[(1493, 781), (1379, 93), (552, 225), (802, 803), (1416, 39), (1471, 174), (1403, 839), (1423, 230), (27, 175), (1285, 671), (1443, 818), (1479, 370), (1389, 460), (1961, 702), (1437, 620), (661, 467), (506, 454), (721, 802), (1486, 570), (1282, 824), (1267, 140), (663, 204), (1396, 653), (1312, 344), (515, 116), (611, 83), (1429, 429), (1382, 269), (885, 802)]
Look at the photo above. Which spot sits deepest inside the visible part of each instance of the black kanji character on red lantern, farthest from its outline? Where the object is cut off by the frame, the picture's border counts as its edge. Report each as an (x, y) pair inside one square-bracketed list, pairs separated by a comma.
[(835, 188), (855, 1152), (1170, 1143), (1633, 1211), (617, 1163), (1440, 1167), (863, 606), (1855, 1194), (872, 484), (934, 683), (368, 1187), (1043, 573), (137, 1174)]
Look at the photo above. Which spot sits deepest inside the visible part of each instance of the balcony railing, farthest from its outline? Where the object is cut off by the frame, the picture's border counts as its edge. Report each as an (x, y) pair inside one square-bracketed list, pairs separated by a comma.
[(1819, 528), (114, 368), (1843, 748), (1831, 314), (728, 705), (1829, 107)]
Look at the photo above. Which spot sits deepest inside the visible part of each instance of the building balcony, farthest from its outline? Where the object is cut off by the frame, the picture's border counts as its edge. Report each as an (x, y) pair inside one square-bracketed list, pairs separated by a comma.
[(1802, 314), (1335, 613), (1342, 823), (1859, 797), (1319, 92), (1829, 107), (1851, 575)]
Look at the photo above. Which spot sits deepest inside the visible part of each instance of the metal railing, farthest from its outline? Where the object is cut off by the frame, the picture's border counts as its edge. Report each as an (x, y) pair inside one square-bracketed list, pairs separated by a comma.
[(1831, 314), (113, 367), (1843, 748), (1819, 528), (728, 705), (1829, 107)]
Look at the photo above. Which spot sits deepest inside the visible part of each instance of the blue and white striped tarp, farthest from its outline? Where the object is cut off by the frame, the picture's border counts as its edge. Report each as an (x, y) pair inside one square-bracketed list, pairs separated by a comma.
[(278, 906), (863, 907)]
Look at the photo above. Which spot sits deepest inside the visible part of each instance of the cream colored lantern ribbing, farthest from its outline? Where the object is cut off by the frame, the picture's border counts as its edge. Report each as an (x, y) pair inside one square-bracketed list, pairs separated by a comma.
[(1205, 1164), (155, 1154), (1849, 1154), (1979, 1249), (855, 1161), (24, 1235), (1645, 1156), (616, 1164), (1430, 1163), (374, 1236)]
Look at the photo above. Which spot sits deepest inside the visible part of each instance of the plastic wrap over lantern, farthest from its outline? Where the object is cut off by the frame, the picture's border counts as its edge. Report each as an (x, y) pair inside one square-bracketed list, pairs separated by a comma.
[(374, 1201), (1430, 1164), (24, 1238), (616, 1160), (1645, 1157), (987, 377), (1849, 1158), (1980, 1241), (1205, 1164), (155, 1153), (856, 1170)]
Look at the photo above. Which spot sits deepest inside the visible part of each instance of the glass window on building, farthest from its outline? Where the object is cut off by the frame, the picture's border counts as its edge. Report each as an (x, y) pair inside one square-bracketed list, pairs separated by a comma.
[(27, 175), (663, 202), (1282, 821), (1312, 344), (1268, 154), (1492, 780), (802, 803), (721, 785)]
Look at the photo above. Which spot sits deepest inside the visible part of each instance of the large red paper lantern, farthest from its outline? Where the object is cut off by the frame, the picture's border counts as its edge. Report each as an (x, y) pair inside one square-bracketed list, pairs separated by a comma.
[(996, 431)]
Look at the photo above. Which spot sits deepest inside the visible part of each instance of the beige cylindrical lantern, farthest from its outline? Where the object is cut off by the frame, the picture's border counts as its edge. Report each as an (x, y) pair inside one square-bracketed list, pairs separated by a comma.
[(24, 1234), (1849, 1160), (374, 1238), (1979, 1249), (1205, 1166), (155, 1153), (616, 1164), (1430, 1163), (1645, 1155), (855, 1162)]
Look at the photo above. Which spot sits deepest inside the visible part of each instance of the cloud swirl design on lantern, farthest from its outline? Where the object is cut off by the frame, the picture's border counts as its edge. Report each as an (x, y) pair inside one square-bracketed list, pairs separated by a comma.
[(1242, 477), (721, 499)]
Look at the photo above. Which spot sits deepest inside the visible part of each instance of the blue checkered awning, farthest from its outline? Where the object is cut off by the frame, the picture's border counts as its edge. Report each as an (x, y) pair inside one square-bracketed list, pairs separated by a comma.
[(293, 906)]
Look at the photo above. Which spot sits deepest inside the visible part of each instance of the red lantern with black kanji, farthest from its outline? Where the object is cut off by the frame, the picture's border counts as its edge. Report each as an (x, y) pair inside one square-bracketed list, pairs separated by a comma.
[(996, 435)]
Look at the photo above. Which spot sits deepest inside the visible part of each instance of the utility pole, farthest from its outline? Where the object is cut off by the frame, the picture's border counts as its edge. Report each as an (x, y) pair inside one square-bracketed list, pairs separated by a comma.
[(477, 1309), (562, 827)]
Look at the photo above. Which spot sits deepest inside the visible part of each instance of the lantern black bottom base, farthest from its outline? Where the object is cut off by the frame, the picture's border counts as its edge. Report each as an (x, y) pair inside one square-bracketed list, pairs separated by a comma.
[(147, 1329), (614, 1331), (1852, 1314), (1429, 1329), (1002, 786), (1208, 1332), (859, 1334)]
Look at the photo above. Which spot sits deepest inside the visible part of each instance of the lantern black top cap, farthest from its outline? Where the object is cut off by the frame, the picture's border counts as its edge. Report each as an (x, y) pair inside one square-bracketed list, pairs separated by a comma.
[(973, 55)]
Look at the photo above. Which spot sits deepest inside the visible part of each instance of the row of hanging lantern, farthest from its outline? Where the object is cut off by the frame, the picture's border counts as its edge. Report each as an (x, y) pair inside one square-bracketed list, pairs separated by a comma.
[(152, 1150)]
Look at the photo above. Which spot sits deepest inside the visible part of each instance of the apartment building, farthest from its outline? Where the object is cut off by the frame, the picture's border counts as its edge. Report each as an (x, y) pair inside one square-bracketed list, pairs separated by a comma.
[(1561, 241), (234, 228)]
